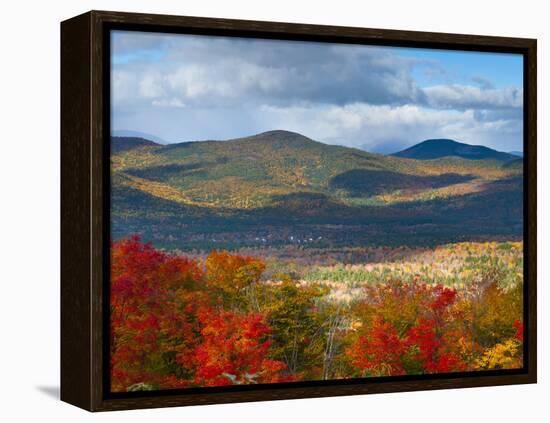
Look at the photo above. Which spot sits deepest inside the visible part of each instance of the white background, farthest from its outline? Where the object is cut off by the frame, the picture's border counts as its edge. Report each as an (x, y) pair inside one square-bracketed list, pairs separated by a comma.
[(29, 233)]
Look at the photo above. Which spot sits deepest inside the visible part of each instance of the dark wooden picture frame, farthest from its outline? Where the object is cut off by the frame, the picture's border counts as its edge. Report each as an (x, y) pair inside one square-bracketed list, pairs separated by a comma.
[(85, 209)]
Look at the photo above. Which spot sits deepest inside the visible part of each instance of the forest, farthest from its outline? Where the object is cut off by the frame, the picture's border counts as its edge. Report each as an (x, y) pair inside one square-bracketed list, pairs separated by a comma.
[(231, 318)]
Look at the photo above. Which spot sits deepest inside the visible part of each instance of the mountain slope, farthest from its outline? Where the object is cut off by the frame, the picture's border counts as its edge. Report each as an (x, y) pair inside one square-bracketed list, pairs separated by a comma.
[(252, 172), (137, 134), (280, 185), (516, 153), (516, 164), (438, 148), (119, 144)]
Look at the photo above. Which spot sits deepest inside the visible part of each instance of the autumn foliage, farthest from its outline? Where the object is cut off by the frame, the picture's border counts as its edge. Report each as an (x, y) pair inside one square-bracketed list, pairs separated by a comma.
[(417, 328), (168, 330), (178, 322), (234, 348), (413, 330)]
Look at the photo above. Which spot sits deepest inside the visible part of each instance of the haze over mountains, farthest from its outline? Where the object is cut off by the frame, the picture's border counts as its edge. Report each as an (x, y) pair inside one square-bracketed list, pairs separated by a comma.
[(280, 186)]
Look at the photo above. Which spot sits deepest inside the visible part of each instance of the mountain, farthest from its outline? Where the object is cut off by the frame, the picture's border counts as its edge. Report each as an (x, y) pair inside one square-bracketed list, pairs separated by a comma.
[(277, 184), (253, 171), (119, 144), (137, 134), (437, 148), (516, 164), (516, 153)]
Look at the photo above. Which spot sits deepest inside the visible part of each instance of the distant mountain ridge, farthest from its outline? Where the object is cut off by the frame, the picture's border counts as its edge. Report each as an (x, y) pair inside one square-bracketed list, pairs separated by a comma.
[(280, 184), (259, 170), (271, 139), (119, 144), (438, 148), (124, 133)]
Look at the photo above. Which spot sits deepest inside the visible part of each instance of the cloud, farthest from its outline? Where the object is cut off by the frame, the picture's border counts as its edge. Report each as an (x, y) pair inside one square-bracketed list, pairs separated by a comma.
[(470, 97), (377, 128), (383, 128), (173, 102), (210, 71), (197, 87), (216, 71), (482, 82)]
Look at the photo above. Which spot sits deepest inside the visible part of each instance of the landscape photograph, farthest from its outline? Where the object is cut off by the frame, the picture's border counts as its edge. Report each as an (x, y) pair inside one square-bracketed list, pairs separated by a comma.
[(288, 211)]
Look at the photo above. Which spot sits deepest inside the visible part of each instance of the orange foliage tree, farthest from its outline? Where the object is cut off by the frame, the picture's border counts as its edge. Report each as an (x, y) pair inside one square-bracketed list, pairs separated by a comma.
[(234, 350)]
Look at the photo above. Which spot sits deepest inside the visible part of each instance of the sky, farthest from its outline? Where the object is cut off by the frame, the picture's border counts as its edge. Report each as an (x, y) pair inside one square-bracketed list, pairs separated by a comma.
[(381, 99)]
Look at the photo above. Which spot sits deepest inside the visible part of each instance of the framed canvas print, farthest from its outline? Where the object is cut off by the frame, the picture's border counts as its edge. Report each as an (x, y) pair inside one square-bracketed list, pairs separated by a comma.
[(257, 211)]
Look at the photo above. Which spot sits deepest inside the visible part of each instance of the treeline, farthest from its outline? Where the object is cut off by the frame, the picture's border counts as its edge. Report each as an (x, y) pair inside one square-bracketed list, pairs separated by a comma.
[(178, 322)]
